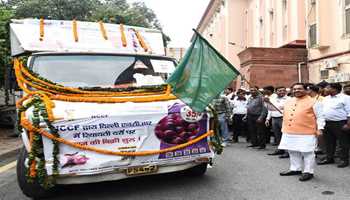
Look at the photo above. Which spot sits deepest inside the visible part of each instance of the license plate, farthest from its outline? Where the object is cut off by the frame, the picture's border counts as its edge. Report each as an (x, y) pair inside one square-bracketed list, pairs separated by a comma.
[(141, 170)]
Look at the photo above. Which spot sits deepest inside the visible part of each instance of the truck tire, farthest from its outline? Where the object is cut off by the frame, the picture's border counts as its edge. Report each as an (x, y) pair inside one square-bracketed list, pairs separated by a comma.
[(32, 190), (198, 170)]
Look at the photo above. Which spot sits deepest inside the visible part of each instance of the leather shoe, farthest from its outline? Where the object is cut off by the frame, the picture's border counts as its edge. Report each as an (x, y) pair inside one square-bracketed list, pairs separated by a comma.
[(343, 164), (306, 177), (252, 145), (286, 155), (261, 147), (275, 153), (326, 161), (290, 173)]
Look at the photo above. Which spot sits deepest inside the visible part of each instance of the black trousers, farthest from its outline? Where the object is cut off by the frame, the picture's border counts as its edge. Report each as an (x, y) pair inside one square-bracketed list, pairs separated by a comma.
[(257, 131), (239, 127), (333, 132)]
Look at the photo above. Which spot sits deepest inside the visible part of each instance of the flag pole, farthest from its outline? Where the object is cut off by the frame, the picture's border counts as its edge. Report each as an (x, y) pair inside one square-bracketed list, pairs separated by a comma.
[(218, 53), (229, 64)]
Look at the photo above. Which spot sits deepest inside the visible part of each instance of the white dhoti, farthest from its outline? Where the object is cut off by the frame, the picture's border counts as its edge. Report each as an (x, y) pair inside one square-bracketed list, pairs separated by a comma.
[(301, 151)]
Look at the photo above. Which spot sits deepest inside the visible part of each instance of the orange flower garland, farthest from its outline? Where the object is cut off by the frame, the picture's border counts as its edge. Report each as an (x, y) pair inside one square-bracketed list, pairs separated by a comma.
[(41, 26), (27, 124), (75, 30), (123, 37), (103, 30), (33, 164), (142, 42), (22, 73)]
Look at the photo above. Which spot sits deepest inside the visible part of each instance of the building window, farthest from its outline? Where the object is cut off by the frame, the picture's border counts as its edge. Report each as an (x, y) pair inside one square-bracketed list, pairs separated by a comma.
[(312, 35), (347, 16), (285, 20), (284, 4), (324, 74), (271, 28), (312, 23)]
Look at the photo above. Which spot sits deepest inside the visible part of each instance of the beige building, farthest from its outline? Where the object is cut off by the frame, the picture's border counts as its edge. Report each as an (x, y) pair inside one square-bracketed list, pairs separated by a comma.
[(175, 52), (278, 42), (264, 39), (328, 27)]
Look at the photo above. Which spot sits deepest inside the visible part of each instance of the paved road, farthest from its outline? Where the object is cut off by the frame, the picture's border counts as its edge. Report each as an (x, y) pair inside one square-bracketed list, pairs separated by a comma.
[(239, 174)]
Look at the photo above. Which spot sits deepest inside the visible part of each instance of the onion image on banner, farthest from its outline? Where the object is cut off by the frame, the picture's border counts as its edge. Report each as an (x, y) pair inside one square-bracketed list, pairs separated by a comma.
[(74, 159), (179, 126)]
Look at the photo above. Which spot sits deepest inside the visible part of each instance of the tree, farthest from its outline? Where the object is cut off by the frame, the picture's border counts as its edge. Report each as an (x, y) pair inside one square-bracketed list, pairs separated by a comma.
[(112, 11), (119, 11), (137, 14), (55, 9), (6, 13)]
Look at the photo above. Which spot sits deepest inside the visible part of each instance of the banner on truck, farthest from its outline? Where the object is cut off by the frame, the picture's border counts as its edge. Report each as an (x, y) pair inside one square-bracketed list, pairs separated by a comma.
[(118, 127)]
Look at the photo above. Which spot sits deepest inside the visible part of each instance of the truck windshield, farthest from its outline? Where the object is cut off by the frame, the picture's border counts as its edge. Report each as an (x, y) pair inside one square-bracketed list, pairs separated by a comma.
[(103, 70)]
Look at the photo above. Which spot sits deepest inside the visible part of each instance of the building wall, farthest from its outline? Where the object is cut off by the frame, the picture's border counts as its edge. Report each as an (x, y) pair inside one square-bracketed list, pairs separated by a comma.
[(332, 42), (253, 23), (232, 26), (175, 52), (274, 23), (273, 66), (224, 23)]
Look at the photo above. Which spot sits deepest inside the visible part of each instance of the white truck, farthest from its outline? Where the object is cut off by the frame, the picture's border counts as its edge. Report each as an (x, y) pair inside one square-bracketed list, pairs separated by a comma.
[(95, 106)]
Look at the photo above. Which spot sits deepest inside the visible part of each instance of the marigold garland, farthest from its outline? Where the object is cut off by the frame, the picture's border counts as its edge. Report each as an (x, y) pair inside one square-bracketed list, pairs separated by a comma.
[(123, 37), (75, 30), (41, 31), (36, 160), (142, 42), (32, 170), (24, 75), (103, 30), (26, 124)]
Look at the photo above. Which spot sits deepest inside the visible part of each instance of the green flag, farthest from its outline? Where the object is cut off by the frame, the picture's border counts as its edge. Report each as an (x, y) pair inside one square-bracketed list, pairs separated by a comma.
[(201, 75)]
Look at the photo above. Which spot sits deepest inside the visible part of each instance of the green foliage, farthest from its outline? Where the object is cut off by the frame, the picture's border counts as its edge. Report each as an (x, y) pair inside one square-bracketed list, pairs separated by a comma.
[(6, 14), (111, 11), (55, 9)]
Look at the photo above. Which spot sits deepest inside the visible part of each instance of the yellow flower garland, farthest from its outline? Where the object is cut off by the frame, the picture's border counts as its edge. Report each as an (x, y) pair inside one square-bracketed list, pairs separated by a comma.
[(23, 72), (142, 42), (123, 37), (33, 164), (103, 30), (41, 29), (29, 126), (75, 30)]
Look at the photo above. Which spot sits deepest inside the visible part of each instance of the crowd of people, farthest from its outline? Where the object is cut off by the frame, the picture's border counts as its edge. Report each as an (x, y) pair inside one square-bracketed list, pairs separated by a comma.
[(304, 120)]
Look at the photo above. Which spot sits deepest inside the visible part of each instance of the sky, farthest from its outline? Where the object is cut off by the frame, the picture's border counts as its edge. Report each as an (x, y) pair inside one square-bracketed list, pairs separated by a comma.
[(178, 17)]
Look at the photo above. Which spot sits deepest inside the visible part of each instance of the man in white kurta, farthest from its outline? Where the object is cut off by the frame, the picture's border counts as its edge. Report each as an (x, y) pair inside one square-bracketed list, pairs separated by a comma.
[(302, 122)]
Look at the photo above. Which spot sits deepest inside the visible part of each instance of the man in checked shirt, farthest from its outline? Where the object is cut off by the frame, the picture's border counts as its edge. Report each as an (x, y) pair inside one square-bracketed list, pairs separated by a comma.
[(222, 106)]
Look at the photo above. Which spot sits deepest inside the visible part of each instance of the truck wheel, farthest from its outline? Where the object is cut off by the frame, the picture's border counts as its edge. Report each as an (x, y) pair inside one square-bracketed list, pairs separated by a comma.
[(198, 170), (33, 190)]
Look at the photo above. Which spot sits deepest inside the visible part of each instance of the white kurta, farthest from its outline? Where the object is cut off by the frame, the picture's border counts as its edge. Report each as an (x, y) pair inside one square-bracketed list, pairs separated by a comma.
[(301, 143)]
